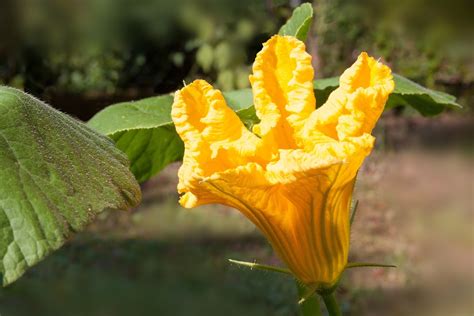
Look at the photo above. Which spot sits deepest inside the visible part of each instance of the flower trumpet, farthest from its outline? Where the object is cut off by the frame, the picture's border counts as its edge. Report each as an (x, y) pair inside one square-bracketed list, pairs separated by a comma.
[(293, 175)]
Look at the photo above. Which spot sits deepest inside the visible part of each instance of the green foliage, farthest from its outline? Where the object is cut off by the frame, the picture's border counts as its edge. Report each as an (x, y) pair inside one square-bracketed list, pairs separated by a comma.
[(57, 174), (299, 23), (110, 46), (91, 71), (143, 130), (426, 101), (338, 30)]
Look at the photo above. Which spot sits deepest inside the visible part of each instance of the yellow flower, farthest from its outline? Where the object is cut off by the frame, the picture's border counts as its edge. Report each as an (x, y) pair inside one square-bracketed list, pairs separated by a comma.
[(293, 176)]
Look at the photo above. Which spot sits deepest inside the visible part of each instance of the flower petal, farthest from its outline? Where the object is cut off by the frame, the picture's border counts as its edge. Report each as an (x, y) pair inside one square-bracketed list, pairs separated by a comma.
[(214, 137), (300, 203), (283, 90), (298, 163), (352, 109), (367, 72)]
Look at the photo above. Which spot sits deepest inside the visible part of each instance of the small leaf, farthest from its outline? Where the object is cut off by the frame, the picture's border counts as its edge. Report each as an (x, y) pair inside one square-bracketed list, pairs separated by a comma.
[(241, 101), (299, 23), (323, 88), (145, 132), (326, 83), (56, 176)]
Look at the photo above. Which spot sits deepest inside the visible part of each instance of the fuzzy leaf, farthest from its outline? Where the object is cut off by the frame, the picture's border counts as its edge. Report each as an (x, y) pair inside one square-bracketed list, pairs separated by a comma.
[(56, 175)]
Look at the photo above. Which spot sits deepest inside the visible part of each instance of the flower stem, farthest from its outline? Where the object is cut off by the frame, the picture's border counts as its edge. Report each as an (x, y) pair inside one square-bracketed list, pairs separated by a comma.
[(331, 305), (310, 305)]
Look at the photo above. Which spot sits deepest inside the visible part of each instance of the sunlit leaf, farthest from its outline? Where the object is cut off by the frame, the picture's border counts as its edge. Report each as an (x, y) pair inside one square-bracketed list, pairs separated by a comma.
[(426, 101), (56, 175), (299, 23)]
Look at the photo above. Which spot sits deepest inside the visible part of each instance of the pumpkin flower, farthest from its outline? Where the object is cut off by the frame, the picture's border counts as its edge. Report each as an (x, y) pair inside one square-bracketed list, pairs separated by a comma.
[(293, 175)]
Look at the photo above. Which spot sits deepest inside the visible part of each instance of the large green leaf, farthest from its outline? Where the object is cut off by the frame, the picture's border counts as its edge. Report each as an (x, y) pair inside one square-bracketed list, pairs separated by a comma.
[(145, 132), (56, 175), (406, 93), (299, 23), (426, 101)]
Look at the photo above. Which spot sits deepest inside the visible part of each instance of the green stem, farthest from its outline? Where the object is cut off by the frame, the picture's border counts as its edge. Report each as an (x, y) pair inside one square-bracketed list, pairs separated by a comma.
[(310, 306), (331, 305)]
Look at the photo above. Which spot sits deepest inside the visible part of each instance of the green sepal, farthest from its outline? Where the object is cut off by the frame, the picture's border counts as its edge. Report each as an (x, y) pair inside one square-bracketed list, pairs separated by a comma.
[(368, 265), (264, 267), (308, 306), (354, 211), (306, 291)]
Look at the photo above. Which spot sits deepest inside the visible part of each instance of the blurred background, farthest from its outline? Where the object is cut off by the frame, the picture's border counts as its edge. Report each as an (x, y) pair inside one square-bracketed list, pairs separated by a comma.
[(415, 192)]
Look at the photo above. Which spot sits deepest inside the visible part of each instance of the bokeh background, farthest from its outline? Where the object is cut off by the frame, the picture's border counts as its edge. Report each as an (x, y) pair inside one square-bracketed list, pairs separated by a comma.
[(415, 192)]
